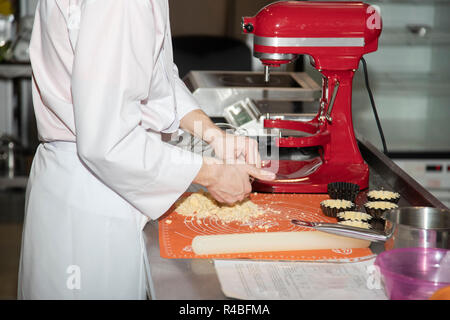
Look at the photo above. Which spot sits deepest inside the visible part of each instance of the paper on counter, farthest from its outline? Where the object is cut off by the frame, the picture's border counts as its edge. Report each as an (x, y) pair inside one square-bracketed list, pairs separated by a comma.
[(273, 280)]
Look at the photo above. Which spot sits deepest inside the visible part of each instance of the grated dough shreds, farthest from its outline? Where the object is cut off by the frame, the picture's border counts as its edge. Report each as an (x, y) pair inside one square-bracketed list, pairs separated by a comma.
[(201, 205)]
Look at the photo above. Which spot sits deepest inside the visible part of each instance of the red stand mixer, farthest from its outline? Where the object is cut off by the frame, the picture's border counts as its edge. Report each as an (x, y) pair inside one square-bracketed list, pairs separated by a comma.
[(335, 35)]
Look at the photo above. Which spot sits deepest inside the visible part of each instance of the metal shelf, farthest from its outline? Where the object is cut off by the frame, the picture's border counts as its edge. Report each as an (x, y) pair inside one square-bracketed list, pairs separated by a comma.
[(423, 135), (15, 70), (411, 83), (13, 183), (405, 37)]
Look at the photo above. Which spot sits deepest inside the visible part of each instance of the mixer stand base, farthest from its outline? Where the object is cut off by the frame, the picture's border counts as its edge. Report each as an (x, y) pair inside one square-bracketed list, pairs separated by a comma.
[(316, 182)]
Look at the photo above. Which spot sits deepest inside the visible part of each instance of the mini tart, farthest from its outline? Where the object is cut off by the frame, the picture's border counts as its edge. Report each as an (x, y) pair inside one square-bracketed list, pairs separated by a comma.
[(357, 224), (343, 190), (331, 207), (353, 216), (377, 208), (383, 195)]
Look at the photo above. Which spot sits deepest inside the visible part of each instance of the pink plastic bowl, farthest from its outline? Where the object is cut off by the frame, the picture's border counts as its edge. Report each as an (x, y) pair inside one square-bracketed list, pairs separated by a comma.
[(414, 273)]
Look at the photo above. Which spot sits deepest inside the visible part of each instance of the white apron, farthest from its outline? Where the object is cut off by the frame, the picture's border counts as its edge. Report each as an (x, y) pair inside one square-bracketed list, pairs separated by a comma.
[(89, 199), (80, 240)]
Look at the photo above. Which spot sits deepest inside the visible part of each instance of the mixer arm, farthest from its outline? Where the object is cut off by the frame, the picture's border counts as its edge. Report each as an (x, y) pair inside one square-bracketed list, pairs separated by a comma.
[(329, 108), (320, 139), (308, 127)]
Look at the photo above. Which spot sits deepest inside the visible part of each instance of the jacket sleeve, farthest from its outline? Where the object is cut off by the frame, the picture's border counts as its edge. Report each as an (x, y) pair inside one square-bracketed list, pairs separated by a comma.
[(111, 75), (185, 100)]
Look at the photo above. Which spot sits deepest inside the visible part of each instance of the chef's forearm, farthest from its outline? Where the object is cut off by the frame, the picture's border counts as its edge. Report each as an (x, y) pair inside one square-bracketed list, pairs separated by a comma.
[(199, 124)]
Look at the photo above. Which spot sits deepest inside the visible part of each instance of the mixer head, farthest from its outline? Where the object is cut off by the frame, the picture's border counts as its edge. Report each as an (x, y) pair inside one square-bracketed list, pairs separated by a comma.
[(334, 34)]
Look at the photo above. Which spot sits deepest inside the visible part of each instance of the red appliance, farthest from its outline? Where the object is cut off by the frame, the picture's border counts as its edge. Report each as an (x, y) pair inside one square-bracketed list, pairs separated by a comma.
[(335, 35)]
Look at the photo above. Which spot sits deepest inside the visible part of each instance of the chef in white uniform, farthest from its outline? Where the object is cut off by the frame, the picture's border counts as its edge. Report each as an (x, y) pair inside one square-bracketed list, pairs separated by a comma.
[(105, 90)]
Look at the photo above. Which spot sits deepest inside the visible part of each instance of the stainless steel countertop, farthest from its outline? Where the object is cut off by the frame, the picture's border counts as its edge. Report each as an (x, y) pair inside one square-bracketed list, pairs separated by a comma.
[(196, 279), (179, 279)]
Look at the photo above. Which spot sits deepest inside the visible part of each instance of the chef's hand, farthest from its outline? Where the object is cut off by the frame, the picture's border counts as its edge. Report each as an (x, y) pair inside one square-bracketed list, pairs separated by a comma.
[(236, 149), (227, 147), (229, 183)]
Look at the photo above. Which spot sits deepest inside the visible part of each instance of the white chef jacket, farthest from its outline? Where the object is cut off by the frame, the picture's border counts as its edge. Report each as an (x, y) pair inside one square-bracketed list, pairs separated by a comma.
[(104, 89), (104, 77)]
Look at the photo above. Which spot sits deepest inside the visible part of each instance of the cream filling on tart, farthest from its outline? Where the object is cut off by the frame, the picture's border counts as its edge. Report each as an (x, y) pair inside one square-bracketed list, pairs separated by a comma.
[(354, 215), (333, 203), (385, 205), (383, 194)]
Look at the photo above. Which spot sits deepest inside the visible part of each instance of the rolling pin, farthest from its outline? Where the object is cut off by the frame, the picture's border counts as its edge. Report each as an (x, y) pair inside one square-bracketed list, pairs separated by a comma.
[(272, 241)]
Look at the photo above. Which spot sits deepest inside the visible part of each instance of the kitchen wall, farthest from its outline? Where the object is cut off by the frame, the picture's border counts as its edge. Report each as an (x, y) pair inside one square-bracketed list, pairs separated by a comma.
[(221, 18), (215, 18)]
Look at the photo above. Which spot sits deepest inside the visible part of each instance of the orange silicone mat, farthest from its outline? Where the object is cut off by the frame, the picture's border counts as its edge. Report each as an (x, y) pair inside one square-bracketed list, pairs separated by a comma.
[(176, 232)]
